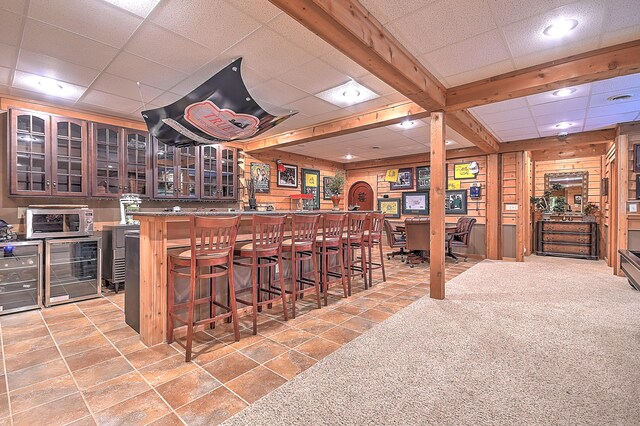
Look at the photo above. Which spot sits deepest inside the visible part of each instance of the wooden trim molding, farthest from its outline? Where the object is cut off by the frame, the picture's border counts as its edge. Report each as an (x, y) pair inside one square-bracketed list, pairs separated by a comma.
[(557, 142)]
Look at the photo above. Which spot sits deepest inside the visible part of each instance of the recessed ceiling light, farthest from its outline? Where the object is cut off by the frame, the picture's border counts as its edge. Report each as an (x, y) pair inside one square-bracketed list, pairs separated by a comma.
[(375, 147), (619, 97), (564, 92), (347, 94), (348, 157), (563, 125), (563, 134), (48, 85), (560, 28), (407, 124), (449, 142)]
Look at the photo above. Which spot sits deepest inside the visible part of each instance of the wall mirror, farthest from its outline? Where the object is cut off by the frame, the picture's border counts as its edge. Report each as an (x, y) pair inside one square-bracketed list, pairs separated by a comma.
[(568, 191)]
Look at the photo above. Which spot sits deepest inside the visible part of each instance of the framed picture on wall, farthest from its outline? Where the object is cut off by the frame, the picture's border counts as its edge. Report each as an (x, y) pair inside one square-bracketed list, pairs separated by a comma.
[(405, 180), (637, 187), (289, 177), (636, 158), (390, 207), (326, 182), (311, 185), (577, 199), (261, 175), (423, 178), (415, 203), (455, 202)]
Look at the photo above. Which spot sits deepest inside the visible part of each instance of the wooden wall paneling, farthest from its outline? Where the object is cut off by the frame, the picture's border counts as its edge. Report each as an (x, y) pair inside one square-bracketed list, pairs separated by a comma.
[(591, 165), (623, 160), (493, 210), (436, 202), (507, 197)]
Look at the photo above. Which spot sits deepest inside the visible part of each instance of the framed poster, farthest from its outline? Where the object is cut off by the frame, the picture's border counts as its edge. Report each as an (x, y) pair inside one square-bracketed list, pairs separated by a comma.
[(261, 175), (423, 178), (405, 180), (390, 207), (289, 177), (311, 185), (577, 199), (455, 202), (415, 203), (637, 187), (326, 182), (636, 158), (465, 170)]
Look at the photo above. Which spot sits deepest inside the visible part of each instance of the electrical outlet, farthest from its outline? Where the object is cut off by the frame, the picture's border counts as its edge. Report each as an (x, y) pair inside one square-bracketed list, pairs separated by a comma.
[(22, 211)]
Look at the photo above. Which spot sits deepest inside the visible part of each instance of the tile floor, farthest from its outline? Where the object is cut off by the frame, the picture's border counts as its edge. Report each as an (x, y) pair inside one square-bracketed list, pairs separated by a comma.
[(81, 364)]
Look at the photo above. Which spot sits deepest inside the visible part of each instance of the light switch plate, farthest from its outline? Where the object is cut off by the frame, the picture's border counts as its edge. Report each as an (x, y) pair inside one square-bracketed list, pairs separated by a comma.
[(633, 208), (511, 207)]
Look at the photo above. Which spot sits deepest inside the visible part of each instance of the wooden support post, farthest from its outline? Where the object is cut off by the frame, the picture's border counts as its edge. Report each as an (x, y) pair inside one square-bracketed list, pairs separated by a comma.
[(521, 220), (436, 205), (622, 195), (493, 225)]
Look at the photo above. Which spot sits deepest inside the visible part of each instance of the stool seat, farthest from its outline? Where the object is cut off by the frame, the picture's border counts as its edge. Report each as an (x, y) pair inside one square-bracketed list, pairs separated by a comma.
[(287, 245), (186, 255), (247, 249), (329, 241)]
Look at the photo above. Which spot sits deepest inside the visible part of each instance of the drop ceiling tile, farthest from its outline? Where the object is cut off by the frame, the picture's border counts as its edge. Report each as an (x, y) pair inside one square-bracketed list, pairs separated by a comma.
[(5, 76), (27, 81), (500, 117), (29, 94), (47, 66), (444, 23), (5, 89), (396, 98), (617, 108), (195, 79), (211, 23), (125, 88), (166, 98), (311, 106), (543, 98), (561, 117), (416, 124), (518, 134), (618, 84), (526, 36), (623, 35), (509, 11), (560, 106), (295, 32), (260, 10), (465, 55), (547, 133), (389, 10), (277, 93), (89, 18), (135, 68), (499, 107), (377, 85), (11, 28), (368, 105), (480, 73), (557, 52), (342, 63), (137, 114), (15, 6), (109, 101), (511, 125), (141, 8), (622, 14), (269, 53), (601, 99), (314, 77), (551, 129), (332, 115), (46, 39), (8, 55), (169, 49), (609, 120)]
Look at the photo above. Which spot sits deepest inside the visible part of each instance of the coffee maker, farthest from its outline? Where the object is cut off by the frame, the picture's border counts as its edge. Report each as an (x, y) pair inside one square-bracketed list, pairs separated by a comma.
[(129, 205)]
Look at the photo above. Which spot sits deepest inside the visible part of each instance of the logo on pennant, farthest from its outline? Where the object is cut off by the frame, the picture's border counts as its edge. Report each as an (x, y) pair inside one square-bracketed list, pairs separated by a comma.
[(223, 124)]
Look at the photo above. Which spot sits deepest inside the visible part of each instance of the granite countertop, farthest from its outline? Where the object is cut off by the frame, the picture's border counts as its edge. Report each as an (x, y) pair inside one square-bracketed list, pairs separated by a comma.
[(240, 213)]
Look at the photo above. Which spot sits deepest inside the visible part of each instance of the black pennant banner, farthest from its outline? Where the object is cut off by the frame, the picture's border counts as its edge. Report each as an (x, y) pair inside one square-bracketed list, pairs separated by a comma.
[(219, 110)]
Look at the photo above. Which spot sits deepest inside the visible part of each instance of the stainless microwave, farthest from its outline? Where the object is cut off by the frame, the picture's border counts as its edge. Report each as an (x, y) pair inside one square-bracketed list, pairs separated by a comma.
[(58, 223)]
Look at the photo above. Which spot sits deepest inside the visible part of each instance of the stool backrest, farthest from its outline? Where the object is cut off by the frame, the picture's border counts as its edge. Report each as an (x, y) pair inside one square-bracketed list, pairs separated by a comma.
[(376, 221), (268, 231), (213, 235), (333, 226), (355, 225), (304, 227)]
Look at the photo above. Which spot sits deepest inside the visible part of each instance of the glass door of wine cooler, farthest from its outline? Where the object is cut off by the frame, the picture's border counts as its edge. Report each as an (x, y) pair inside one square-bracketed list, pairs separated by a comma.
[(20, 276), (73, 269)]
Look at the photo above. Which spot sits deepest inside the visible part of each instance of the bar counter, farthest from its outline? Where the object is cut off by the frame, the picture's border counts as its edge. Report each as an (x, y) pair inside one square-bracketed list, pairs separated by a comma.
[(161, 231)]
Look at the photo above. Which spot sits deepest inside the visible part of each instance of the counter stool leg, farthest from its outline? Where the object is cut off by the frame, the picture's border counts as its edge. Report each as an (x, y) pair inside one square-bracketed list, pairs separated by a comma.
[(344, 282), (232, 293), (254, 294), (363, 265), (283, 293), (370, 260), (316, 276), (192, 296), (348, 268), (213, 298), (170, 302), (384, 274), (324, 265), (294, 282)]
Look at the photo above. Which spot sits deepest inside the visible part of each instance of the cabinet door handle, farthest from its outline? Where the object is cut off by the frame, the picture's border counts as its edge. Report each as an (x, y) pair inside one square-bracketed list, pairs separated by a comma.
[(54, 183), (48, 183)]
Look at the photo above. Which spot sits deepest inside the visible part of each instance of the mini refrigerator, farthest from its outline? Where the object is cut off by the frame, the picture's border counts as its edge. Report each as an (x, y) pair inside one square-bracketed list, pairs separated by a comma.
[(73, 269), (20, 276)]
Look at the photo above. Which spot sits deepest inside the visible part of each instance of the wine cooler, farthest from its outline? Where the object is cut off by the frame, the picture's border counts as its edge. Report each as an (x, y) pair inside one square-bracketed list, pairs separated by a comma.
[(20, 276), (73, 269)]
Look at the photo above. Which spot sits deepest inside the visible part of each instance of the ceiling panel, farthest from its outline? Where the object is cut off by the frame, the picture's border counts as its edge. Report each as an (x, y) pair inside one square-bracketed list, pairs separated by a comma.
[(135, 68), (109, 101), (295, 32), (15, 6), (5, 76), (126, 88), (8, 55), (11, 28), (314, 77), (47, 66), (141, 8), (34, 83)]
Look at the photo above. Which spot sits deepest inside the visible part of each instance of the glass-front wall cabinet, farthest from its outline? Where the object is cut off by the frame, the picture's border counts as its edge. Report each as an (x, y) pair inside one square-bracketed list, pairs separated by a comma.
[(107, 146), (70, 157), (137, 164), (165, 170), (177, 172), (219, 172)]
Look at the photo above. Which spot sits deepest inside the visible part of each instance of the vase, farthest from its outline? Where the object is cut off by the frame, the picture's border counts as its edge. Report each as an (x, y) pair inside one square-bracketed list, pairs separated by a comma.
[(252, 203), (335, 199)]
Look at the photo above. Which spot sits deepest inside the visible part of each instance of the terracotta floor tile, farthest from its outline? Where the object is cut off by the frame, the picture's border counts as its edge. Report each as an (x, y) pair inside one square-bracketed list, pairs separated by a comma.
[(41, 393), (69, 325), (212, 351), (340, 335), (59, 310), (335, 317), (139, 410), (350, 309), (18, 335), (3, 383), (375, 315), (28, 359), (317, 348), (4, 406), (85, 421), (271, 327), (121, 333), (20, 320), (58, 412), (115, 391), (102, 372), (364, 303), (315, 326), (37, 373), (220, 330), (255, 384), (212, 408), (292, 337), (167, 369), (188, 387), (392, 309), (399, 301), (247, 338), (35, 344), (168, 420), (230, 366), (376, 296), (69, 335), (264, 350), (358, 324), (130, 345), (150, 355), (82, 345), (91, 357), (66, 317), (290, 364)]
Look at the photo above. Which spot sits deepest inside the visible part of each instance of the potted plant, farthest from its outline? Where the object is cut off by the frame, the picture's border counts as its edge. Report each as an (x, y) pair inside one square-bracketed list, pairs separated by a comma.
[(590, 210), (251, 189), (336, 187)]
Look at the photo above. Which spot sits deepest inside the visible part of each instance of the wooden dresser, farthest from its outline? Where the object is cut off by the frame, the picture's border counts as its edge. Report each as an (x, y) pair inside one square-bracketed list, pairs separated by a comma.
[(567, 239)]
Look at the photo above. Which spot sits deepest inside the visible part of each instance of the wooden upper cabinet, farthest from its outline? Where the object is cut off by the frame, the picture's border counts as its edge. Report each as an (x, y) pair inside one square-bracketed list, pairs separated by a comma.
[(219, 173), (47, 155), (177, 172), (137, 163), (107, 149)]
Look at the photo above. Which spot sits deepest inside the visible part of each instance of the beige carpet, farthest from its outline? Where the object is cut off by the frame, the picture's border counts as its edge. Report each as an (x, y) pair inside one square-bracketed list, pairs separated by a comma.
[(549, 341)]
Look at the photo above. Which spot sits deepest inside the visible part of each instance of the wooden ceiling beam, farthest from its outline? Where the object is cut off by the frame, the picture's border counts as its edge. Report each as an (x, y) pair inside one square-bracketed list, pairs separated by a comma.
[(452, 154), (351, 29), (558, 142), (590, 150), (600, 64)]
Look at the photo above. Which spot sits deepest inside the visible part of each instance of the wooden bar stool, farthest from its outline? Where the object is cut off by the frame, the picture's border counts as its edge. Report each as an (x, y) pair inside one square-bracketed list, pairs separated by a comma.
[(353, 240), (212, 241), (330, 243), (265, 251), (302, 249), (373, 238)]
